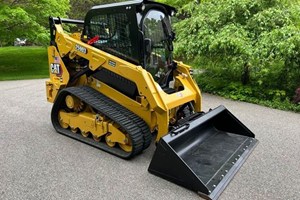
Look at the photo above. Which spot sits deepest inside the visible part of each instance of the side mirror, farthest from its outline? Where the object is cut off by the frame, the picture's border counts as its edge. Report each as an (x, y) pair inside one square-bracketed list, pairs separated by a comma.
[(147, 45)]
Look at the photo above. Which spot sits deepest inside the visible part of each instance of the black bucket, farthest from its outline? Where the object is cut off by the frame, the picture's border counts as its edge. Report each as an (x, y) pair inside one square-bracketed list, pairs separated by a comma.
[(204, 154)]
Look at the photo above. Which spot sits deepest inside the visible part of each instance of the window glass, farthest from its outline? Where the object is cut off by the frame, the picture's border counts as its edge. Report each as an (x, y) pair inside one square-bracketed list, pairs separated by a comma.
[(157, 60), (114, 33)]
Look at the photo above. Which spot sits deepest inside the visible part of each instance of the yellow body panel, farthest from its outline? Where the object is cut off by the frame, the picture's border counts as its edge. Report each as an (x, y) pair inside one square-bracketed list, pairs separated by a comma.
[(59, 75), (153, 105)]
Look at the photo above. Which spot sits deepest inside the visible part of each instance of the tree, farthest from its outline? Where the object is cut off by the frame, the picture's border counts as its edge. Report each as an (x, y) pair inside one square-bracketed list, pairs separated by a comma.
[(250, 41), (177, 3), (79, 8), (28, 19)]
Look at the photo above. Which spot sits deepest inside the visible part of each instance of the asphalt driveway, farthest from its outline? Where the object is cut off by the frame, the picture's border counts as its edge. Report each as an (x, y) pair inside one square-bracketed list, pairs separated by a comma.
[(38, 163)]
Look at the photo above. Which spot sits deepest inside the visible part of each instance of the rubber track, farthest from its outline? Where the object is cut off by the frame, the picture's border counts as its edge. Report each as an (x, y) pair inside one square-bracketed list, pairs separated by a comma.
[(133, 125), (137, 120)]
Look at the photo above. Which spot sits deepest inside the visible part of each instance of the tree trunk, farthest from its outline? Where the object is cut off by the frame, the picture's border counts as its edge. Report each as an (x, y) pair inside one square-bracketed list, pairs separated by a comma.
[(246, 74)]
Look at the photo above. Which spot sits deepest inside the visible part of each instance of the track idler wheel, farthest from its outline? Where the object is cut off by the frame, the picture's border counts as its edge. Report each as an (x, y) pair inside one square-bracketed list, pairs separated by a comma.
[(127, 146), (74, 103), (108, 141)]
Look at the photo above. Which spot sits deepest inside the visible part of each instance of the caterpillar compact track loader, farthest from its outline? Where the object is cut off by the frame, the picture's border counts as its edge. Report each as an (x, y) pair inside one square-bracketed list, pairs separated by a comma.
[(114, 85)]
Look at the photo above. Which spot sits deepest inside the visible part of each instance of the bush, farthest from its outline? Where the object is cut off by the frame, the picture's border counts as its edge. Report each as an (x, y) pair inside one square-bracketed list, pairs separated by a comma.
[(246, 48)]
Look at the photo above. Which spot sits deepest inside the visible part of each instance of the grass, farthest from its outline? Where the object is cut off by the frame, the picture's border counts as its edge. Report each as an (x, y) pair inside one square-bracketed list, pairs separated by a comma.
[(23, 63)]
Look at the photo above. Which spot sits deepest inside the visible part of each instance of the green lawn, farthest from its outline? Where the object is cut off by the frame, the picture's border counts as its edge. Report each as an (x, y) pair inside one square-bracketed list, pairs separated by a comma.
[(23, 63)]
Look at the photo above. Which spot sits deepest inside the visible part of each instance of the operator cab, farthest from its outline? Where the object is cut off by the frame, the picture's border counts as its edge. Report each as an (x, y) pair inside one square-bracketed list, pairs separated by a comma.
[(137, 31)]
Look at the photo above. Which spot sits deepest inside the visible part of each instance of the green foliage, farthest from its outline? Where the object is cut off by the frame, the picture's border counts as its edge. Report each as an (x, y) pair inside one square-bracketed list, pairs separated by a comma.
[(251, 44), (279, 62), (13, 22), (29, 19), (79, 8), (249, 93), (177, 3), (23, 63)]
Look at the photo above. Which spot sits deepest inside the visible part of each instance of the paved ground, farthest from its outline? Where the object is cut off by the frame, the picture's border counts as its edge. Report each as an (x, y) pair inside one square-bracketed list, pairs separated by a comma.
[(38, 163)]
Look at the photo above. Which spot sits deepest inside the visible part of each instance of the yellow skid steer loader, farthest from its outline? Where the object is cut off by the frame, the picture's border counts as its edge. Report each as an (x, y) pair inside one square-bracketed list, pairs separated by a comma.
[(115, 85)]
